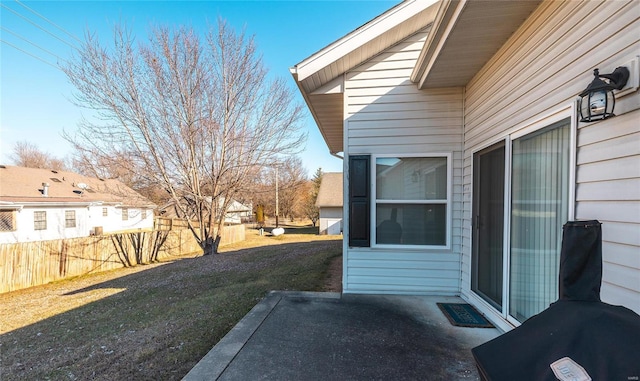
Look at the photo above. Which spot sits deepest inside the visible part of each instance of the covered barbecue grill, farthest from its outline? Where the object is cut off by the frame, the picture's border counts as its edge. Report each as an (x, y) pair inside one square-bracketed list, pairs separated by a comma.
[(578, 337)]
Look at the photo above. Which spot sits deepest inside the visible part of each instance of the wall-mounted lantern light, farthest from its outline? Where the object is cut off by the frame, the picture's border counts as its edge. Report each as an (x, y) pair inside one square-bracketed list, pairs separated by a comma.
[(597, 100)]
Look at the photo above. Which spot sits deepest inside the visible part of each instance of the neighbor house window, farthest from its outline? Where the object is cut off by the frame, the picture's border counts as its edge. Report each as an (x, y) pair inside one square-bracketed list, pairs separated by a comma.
[(125, 214), (7, 220), (69, 218), (144, 214), (104, 212), (40, 220), (411, 201)]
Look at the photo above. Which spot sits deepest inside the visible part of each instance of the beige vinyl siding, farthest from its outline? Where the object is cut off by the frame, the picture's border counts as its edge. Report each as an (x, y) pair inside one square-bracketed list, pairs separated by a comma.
[(608, 189), (419, 273), (544, 66), (386, 114), (541, 69)]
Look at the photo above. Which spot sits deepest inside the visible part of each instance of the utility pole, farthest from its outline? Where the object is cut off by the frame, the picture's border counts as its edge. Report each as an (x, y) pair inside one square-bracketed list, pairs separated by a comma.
[(277, 209)]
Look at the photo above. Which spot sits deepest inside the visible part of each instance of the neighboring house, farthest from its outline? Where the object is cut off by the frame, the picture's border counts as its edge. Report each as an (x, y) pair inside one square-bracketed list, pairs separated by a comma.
[(329, 203), (41, 204), (464, 154), (236, 213)]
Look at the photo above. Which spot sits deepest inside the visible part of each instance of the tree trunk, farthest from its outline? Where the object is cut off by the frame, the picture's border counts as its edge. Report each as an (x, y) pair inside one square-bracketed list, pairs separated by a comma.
[(207, 246), (210, 246)]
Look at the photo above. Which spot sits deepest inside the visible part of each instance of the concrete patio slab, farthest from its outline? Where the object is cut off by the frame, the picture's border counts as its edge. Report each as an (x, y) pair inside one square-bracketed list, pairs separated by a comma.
[(328, 336)]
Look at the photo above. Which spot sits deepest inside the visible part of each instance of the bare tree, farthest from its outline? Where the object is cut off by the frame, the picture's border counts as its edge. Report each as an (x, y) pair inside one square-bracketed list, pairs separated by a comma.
[(123, 167), (261, 191), (26, 154), (195, 115), (309, 206), (291, 178)]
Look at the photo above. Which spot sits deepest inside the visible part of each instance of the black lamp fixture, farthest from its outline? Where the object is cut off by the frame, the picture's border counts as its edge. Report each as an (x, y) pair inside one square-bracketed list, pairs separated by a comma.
[(597, 100)]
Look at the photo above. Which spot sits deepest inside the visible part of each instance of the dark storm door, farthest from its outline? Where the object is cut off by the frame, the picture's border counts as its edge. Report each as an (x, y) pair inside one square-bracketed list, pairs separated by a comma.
[(488, 224)]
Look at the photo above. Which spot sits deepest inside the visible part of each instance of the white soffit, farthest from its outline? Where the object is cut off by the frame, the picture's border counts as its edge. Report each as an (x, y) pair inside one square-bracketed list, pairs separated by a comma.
[(465, 35)]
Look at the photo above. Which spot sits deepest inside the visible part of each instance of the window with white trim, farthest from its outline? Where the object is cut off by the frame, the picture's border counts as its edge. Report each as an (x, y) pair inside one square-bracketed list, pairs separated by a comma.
[(69, 218), (125, 214), (39, 220), (411, 200)]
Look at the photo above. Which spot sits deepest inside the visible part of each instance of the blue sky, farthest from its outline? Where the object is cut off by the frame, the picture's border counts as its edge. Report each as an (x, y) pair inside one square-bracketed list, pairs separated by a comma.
[(35, 96)]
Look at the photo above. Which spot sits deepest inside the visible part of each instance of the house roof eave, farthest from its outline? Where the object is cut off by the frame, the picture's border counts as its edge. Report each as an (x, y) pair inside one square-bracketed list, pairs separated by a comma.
[(334, 147), (445, 12), (45, 204), (360, 37), (316, 74), (467, 25)]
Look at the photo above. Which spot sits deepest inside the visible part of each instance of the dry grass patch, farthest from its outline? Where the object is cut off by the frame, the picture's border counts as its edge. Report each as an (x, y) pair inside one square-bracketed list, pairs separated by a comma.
[(152, 322)]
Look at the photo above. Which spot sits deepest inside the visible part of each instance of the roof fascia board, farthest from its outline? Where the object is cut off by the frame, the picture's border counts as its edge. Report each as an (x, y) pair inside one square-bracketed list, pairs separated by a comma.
[(10, 206), (446, 19), (359, 37), (55, 204)]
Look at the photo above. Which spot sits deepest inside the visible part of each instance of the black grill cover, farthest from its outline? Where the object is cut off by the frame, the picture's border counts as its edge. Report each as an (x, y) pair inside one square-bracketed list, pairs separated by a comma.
[(580, 261), (602, 338)]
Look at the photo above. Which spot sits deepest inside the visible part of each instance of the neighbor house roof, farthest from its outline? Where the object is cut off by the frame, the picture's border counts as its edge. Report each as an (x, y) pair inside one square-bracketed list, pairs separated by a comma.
[(170, 209), (24, 186), (319, 76), (330, 192), (237, 207)]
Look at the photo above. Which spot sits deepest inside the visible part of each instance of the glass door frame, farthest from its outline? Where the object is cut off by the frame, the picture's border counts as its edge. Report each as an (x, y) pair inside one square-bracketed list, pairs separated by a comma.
[(567, 112), (475, 213)]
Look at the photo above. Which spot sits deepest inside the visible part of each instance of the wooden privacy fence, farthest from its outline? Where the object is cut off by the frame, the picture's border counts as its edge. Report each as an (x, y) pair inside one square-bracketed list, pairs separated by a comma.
[(30, 264), (163, 223), (230, 234)]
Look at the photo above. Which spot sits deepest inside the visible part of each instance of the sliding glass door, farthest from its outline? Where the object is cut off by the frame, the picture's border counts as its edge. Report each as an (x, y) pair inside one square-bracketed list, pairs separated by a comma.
[(539, 208), (517, 234), (488, 224)]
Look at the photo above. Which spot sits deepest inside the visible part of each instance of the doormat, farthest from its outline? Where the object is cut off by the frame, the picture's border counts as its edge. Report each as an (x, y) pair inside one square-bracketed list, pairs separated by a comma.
[(464, 315)]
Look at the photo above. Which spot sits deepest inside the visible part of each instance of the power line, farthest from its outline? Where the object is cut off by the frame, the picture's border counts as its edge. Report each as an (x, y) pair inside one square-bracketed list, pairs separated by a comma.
[(30, 54), (36, 25), (34, 44), (47, 20)]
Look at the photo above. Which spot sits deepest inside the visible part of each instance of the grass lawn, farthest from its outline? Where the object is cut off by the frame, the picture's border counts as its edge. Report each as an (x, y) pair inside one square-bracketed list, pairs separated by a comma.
[(152, 322)]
